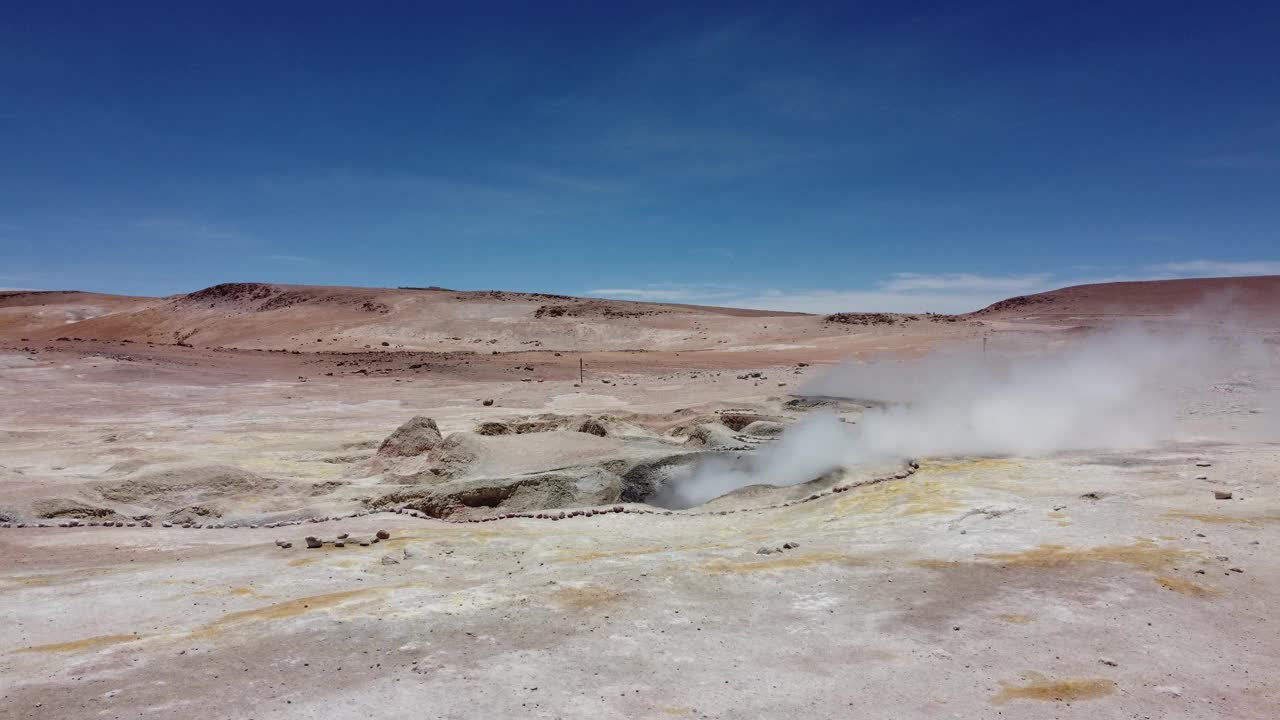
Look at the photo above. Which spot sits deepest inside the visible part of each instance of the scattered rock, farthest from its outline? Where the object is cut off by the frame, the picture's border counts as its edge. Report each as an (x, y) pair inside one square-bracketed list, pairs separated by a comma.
[(1108, 662), (593, 426), (1221, 494), (487, 403), (1204, 463), (313, 542), (383, 535), (388, 560)]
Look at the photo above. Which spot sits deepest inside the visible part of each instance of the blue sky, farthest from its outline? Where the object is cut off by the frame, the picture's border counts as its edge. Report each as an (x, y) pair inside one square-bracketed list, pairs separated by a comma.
[(821, 157)]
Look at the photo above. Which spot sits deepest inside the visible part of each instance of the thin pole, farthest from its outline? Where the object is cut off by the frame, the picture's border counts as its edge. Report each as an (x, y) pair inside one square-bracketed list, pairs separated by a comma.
[(580, 380)]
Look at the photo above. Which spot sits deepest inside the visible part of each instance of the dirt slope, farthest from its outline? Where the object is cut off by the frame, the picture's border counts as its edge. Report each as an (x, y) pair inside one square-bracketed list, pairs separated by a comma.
[(259, 315), (40, 313), (1255, 297), (309, 318)]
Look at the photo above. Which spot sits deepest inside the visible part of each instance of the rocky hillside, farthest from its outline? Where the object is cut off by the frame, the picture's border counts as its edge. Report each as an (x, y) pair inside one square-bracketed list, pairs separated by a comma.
[(317, 318), (1245, 298)]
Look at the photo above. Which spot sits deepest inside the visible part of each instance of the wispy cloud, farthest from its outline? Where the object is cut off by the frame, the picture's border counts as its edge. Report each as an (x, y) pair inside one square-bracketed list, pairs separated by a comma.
[(298, 259), (829, 301), (188, 230), (964, 281), (902, 292), (920, 292), (668, 292), (1204, 268)]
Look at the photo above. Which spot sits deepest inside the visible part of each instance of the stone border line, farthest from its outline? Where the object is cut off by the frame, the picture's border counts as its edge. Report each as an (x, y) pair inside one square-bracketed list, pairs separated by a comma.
[(553, 515)]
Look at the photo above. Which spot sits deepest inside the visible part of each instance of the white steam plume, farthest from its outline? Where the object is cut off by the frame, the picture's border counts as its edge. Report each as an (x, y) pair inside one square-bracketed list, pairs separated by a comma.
[(1106, 391)]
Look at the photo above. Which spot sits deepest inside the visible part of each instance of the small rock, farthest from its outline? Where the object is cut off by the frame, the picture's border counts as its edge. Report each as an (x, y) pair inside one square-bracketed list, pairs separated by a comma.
[(765, 551), (1221, 494), (1235, 570), (388, 560), (1203, 463), (344, 536), (487, 403), (790, 546), (281, 542), (1108, 662), (313, 542), (382, 535)]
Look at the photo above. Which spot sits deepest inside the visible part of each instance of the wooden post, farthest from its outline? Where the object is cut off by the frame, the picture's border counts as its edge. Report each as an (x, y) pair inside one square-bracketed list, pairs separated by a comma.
[(580, 380)]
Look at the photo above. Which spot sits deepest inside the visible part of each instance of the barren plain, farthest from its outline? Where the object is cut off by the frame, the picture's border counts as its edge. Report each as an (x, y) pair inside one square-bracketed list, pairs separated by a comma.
[(165, 464)]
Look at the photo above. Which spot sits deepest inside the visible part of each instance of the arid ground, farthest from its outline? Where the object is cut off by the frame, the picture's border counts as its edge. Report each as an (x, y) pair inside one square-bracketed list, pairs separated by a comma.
[(163, 462)]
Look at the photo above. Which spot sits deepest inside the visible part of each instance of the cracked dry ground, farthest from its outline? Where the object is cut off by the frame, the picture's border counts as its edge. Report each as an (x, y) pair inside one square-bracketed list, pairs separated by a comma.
[(1078, 586)]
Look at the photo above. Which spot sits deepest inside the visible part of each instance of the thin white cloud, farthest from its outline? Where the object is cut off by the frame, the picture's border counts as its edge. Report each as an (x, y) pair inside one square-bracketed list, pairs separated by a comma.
[(669, 293), (291, 259), (193, 231), (903, 292), (831, 301), (920, 292), (964, 281), (1218, 268)]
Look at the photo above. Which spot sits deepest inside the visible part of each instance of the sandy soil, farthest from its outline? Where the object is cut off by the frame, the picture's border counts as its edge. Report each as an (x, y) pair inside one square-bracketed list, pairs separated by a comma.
[(1106, 584)]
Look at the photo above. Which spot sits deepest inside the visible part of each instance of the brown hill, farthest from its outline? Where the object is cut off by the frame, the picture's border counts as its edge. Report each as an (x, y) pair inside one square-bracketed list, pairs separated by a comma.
[(269, 316), (319, 318), (1244, 297), (40, 312)]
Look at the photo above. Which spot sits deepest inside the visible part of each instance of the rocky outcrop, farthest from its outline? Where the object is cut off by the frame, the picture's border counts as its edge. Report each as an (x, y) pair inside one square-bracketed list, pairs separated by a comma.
[(568, 487), (415, 437)]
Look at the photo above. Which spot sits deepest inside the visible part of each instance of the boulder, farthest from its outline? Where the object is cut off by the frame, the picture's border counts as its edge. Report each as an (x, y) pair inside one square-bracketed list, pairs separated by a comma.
[(763, 428), (415, 437)]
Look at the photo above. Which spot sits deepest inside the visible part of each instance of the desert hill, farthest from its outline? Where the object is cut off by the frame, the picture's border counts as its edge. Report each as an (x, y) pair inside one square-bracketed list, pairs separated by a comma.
[(258, 316), (294, 317), (1248, 296)]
